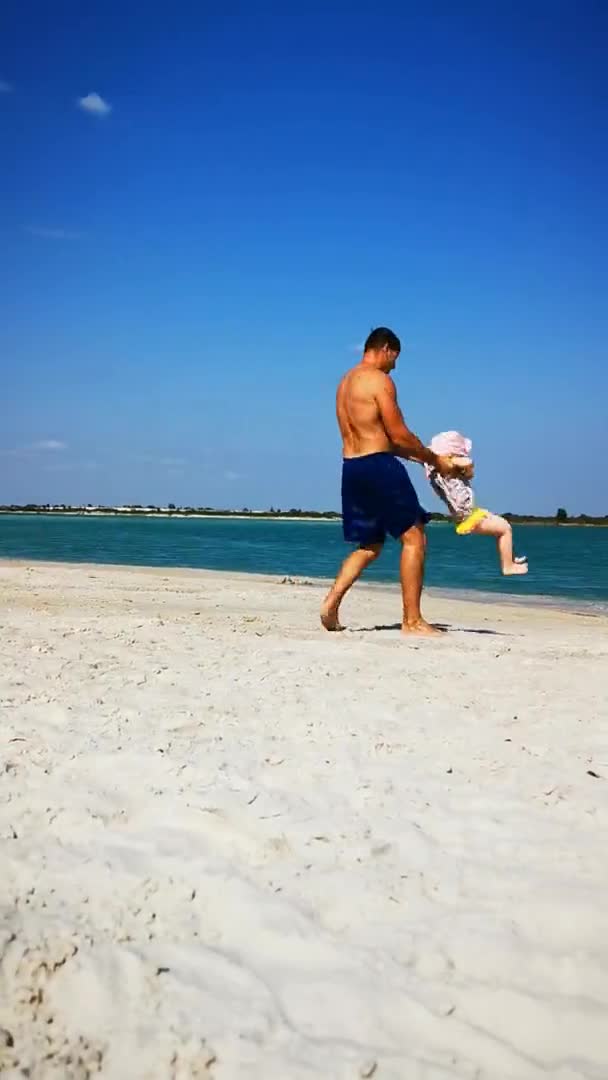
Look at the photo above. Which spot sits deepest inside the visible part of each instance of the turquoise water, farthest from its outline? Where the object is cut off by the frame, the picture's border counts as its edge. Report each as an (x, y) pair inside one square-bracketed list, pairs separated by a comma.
[(569, 563)]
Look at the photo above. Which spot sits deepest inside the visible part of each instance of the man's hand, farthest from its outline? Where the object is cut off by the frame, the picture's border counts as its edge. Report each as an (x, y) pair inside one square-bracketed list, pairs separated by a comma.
[(464, 468), (448, 466), (445, 465)]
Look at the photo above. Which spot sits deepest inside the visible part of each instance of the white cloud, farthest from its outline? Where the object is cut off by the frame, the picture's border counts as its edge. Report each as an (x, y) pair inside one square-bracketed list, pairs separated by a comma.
[(51, 234), (95, 104), (5, 87), (42, 446), (48, 444), (230, 475)]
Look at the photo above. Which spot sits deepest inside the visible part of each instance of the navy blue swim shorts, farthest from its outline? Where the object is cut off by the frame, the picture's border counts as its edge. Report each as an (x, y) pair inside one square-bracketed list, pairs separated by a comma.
[(378, 497)]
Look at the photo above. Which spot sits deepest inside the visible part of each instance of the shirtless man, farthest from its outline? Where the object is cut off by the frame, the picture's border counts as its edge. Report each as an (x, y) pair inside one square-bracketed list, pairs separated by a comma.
[(378, 496)]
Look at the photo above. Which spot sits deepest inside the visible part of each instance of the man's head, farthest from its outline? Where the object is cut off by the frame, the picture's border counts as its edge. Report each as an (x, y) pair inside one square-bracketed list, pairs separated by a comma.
[(382, 348)]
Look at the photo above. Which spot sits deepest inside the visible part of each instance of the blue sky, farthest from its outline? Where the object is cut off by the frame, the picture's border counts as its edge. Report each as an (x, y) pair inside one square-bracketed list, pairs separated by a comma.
[(192, 256)]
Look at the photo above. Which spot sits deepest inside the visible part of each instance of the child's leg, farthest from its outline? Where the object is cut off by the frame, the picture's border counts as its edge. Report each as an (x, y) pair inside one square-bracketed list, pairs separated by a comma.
[(493, 525)]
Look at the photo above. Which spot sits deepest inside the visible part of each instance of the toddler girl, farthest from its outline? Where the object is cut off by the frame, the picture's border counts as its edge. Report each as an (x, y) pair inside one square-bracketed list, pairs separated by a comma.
[(457, 494)]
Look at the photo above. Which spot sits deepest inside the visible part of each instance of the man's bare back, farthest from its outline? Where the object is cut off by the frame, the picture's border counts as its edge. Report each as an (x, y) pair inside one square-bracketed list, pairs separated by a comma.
[(358, 411), (371, 421)]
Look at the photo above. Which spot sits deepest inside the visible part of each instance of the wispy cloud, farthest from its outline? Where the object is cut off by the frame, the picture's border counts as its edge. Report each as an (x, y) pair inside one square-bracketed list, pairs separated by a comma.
[(42, 446), (6, 87), (72, 466), (230, 475), (93, 103), (48, 444), (44, 233), (48, 455), (162, 462)]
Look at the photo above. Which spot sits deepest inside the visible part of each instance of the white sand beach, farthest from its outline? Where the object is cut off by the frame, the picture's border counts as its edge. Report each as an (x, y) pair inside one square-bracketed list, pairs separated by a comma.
[(234, 846)]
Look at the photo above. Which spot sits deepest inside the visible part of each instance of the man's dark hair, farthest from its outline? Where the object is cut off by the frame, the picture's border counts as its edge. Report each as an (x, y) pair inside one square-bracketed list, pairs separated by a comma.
[(380, 337)]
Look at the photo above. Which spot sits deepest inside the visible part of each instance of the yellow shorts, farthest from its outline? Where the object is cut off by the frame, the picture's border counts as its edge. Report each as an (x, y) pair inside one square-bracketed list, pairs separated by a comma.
[(471, 521)]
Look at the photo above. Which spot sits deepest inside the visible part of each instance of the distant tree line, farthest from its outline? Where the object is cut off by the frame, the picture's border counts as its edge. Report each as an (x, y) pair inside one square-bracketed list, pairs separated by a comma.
[(561, 517)]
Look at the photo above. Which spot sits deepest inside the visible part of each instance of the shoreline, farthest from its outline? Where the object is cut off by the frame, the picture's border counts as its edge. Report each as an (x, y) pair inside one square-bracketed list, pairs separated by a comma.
[(170, 514), (263, 516), (530, 602)]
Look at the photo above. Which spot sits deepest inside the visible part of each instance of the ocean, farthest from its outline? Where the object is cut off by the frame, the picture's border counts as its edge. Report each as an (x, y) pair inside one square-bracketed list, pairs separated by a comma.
[(568, 564)]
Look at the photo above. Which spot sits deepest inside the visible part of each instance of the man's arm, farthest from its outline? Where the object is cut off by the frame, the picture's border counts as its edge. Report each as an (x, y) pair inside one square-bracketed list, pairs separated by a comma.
[(404, 442)]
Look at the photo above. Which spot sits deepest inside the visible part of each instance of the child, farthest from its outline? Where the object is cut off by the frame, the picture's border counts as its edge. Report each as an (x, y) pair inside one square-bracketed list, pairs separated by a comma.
[(457, 494)]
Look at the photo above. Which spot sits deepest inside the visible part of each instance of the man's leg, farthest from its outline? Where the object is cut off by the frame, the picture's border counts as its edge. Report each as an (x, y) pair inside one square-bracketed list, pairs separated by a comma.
[(413, 550), (351, 569)]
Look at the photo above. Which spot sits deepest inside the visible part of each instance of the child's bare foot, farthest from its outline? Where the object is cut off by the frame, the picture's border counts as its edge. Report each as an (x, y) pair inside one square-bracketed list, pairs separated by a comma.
[(329, 616), (421, 627), (516, 567)]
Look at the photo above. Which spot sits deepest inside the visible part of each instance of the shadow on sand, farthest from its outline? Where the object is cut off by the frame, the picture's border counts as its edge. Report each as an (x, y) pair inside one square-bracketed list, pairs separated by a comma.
[(446, 627)]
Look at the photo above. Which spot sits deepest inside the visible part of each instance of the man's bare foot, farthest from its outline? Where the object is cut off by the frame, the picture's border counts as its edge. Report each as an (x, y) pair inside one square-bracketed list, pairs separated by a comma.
[(329, 617), (515, 568), (421, 627)]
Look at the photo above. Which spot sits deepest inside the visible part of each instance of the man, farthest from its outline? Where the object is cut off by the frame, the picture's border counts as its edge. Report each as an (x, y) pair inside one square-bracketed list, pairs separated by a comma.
[(378, 496)]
